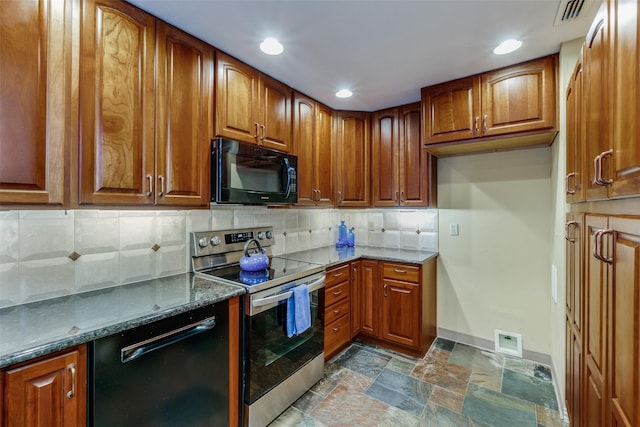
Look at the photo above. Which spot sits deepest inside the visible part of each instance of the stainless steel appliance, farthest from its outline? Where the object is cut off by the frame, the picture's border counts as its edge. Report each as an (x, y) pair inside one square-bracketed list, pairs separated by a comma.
[(173, 372), (277, 370), (244, 173)]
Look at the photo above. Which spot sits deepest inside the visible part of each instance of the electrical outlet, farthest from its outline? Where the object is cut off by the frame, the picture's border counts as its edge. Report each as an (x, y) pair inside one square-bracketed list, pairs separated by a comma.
[(454, 230)]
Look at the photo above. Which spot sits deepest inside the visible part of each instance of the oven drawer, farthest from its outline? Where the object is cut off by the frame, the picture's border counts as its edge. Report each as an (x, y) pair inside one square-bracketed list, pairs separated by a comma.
[(337, 310), (404, 272), (336, 335), (337, 275), (336, 293)]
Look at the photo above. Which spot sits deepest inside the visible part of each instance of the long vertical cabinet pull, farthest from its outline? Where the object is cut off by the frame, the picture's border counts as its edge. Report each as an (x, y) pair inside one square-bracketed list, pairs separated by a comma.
[(608, 153), (567, 186), (385, 289), (72, 369), (567, 231), (150, 179), (597, 247), (161, 179)]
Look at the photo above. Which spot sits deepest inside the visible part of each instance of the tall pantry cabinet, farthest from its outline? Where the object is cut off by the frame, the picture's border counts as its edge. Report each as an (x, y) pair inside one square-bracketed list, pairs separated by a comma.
[(603, 227)]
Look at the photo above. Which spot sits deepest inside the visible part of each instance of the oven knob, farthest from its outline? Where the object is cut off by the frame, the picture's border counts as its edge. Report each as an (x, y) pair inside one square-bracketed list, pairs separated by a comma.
[(203, 242), (269, 235), (262, 235), (215, 241)]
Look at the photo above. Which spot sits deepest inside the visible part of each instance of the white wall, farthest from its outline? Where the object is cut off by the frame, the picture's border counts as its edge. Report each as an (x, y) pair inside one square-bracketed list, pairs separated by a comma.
[(496, 273)]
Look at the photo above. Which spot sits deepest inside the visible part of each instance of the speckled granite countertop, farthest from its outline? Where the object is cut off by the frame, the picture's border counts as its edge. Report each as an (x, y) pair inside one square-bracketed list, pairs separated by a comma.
[(330, 255), (35, 329)]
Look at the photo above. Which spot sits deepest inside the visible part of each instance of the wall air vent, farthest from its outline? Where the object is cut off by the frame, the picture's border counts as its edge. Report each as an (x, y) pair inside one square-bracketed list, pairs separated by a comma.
[(569, 10)]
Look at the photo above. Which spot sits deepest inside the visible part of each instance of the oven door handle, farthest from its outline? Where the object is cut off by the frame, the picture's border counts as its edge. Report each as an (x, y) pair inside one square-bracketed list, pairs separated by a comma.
[(132, 352), (313, 286)]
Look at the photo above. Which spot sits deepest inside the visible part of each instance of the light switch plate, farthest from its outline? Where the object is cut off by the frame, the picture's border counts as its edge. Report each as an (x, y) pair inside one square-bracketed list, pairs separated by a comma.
[(454, 229)]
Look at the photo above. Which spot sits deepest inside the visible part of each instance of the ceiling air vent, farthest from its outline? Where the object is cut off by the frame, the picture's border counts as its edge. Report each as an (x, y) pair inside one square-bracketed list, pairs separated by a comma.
[(568, 11)]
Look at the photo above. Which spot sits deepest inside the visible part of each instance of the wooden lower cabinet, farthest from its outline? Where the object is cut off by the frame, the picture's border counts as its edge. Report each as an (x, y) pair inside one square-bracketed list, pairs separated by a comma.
[(337, 307), (369, 283), (50, 391), (356, 298), (610, 377)]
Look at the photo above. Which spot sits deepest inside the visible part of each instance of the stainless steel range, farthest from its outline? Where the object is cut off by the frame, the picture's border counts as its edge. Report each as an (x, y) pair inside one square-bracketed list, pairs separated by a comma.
[(276, 369)]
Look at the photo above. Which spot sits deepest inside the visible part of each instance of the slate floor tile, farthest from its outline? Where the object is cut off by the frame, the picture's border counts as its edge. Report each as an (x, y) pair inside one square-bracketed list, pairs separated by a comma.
[(395, 417), (444, 344), (475, 359), (443, 374), (402, 366), (549, 418), (401, 391), (529, 388), (438, 416), (343, 408), (292, 417), (363, 360), (447, 398), (498, 409)]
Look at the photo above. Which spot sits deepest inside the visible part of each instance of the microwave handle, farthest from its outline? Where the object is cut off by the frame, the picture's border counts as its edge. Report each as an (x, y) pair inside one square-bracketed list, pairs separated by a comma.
[(287, 169)]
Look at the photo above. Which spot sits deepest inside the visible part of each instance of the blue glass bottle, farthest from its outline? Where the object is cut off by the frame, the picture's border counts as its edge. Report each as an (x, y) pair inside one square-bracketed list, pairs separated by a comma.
[(342, 235), (351, 238)]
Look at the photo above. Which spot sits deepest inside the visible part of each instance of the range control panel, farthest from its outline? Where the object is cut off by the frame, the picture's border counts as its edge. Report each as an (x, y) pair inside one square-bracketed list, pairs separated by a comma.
[(214, 242)]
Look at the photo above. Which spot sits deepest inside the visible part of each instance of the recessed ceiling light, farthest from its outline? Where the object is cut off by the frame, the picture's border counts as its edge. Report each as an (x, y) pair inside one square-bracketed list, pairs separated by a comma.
[(271, 46), (507, 46), (344, 93)]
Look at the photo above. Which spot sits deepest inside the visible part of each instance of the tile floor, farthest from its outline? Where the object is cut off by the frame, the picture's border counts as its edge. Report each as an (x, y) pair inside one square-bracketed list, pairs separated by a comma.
[(453, 385)]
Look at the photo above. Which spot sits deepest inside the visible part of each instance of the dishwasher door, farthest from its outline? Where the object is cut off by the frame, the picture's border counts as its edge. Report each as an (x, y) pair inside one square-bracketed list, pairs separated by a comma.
[(172, 372)]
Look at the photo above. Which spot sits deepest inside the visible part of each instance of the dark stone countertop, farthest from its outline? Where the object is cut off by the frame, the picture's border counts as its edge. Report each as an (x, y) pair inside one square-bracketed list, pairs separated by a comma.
[(331, 256), (38, 328)]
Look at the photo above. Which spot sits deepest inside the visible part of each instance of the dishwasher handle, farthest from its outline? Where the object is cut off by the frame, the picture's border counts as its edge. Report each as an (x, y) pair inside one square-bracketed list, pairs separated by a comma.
[(134, 351)]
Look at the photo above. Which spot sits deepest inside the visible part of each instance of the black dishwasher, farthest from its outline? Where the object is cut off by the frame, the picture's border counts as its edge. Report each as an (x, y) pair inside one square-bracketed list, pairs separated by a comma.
[(172, 372)]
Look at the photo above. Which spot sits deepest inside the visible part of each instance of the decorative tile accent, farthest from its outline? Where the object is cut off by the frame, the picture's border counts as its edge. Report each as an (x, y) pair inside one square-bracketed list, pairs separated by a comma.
[(73, 256), (155, 247)]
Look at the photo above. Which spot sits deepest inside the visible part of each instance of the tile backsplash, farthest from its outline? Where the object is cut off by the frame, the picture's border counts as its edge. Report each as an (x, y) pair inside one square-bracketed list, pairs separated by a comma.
[(46, 254)]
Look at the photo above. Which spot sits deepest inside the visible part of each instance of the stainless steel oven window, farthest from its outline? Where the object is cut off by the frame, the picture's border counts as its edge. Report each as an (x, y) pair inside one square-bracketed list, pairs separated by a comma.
[(273, 357)]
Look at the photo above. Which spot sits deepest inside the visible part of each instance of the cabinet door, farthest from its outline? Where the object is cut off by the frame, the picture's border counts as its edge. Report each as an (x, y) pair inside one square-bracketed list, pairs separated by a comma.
[(574, 290), (385, 158), (624, 325), (353, 159), (596, 102), (117, 103), (49, 392), (236, 99), (625, 56), (414, 177), (304, 124), (324, 155), (519, 98), (35, 49), (401, 312), (451, 110), (275, 114), (574, 180), (356, 298), (595, 317), (184, 111), (370, 291)]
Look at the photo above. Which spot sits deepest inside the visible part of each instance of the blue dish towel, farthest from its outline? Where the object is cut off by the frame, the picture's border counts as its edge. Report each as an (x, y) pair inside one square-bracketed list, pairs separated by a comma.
[(298, 311)]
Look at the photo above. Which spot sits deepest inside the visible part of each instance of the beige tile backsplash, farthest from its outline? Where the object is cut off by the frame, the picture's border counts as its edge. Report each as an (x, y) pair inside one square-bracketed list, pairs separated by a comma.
[(111, 248)]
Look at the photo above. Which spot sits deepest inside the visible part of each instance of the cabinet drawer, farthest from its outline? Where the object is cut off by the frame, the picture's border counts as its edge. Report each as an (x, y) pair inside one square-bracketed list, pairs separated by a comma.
[(337, 275), (336, 335), (407, 273), (336, 293), (336, 310)]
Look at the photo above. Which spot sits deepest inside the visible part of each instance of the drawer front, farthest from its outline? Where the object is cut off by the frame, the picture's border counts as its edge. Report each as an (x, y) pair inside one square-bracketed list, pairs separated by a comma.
[(336, 293), (404, 272), (336, 335), (337, 275), (337, 310)]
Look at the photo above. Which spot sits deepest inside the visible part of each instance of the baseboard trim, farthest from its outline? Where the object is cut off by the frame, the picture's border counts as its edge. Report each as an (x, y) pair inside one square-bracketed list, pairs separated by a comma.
[(488, 345)]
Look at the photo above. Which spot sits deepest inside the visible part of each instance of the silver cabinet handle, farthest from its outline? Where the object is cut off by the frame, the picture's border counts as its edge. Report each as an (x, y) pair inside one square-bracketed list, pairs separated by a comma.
[(399, 271), (336, 293), (257, 133), (402, 199), (264, 132), (161, 179), (596, 171), (484, 122), (339, 197), (597, 247), (338, 274), (567, 226), (567, 187), (476, 129), (603, 155), (385, 289), (72, 369), (397, 199), (150, 179)]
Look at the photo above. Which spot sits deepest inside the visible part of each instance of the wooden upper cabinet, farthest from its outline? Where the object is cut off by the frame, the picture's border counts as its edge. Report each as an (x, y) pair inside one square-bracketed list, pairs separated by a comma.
[(452, 110), (117, 85), (519, 98), (236, 99), (50, 391), (313, 144), (35, 100), (575, 176), (508, 108), (251, 106), (401, 167), (184, 118), (353, 162), (596, 78), (625, 58)]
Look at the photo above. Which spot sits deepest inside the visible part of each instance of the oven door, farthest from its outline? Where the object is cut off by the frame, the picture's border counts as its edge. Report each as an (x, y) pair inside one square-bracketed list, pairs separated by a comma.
[(272, 357)]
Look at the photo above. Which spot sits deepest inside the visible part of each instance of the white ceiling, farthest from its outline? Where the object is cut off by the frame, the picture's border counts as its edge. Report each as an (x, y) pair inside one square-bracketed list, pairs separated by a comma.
[(383, 50)]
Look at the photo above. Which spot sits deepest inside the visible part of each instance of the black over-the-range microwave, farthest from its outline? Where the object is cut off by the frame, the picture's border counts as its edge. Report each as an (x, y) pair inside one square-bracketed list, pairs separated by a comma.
[(243, 173)]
